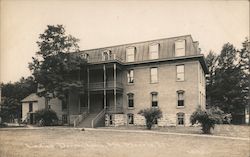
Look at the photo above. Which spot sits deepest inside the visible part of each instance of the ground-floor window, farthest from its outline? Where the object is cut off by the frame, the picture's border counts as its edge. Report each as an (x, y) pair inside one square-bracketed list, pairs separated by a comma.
[(130, 118), (30, 107), (180, 118), (64, 119), (110, 119)]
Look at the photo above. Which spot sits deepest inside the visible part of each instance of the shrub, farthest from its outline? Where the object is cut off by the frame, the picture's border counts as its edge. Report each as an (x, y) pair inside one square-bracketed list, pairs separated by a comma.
[(151, 115), (46, 117), (227, 118), (207, 118)]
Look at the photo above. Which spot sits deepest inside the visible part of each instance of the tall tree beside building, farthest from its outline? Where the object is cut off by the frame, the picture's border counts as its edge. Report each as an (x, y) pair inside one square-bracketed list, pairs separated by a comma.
[(56, 69), (244, 63), (212, 63), (225, 84)]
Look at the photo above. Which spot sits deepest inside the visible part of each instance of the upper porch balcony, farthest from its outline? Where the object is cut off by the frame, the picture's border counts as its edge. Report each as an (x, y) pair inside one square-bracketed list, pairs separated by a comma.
[(110, 85), (106, 56)]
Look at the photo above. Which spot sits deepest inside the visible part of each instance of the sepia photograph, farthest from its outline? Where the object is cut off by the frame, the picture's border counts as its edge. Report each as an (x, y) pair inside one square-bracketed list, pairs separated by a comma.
[(124, 78)]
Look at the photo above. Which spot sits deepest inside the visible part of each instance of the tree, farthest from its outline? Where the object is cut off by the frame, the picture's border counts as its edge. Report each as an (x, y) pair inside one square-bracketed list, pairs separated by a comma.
[(244, 55), (225, 84), (212, 63), (151, 115), (56, 67), (12, 94), (207, 118)]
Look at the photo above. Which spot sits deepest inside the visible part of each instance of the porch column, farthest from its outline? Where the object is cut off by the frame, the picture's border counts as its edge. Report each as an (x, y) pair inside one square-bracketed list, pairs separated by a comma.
[(115, 86), (88, 89), (104, 86)]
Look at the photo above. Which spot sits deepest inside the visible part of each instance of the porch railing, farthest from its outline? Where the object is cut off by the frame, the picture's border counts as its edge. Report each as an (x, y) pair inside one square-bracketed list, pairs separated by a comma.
[(105, 58), (98, 118), (100, 85), (78, 119)]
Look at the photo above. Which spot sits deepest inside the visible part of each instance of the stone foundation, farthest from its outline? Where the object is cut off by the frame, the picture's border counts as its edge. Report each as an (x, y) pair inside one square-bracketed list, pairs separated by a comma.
[(166, 120), (117, 120)]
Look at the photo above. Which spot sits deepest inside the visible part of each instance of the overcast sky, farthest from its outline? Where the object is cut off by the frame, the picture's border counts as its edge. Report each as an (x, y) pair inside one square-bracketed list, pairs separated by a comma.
[(106, 23)]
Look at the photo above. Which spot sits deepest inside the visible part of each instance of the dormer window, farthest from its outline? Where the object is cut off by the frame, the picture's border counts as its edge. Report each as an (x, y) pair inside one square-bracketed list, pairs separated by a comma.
[(180, 48), (106, 55), (154, 51), (84, 56), (130, 54)]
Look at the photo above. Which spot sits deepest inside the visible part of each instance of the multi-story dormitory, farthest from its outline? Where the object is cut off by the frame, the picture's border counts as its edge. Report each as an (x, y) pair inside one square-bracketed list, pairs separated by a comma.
[(121, 80)]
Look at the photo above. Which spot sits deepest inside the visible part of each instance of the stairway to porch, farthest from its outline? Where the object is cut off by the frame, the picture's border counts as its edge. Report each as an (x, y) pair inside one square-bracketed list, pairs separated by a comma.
[(87, 122)]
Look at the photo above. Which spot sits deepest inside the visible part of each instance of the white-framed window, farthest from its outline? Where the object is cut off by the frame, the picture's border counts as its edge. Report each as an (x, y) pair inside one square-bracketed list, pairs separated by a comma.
[(130, 76), (180, 98), (130, 100), (130, 118), (180, 48), (84, 56), (154, 96), (30, 106), (180, 118), (153, 75), (130, 54), (180, 71), (106, 55), (154, 51)]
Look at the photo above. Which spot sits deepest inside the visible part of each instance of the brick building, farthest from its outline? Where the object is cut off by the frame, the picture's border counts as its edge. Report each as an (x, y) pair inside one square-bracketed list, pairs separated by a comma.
[(121, 80)]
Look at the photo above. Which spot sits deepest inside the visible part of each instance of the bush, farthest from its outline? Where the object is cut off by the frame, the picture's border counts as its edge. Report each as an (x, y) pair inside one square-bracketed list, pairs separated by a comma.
[(46, 117), (207, 118), (151, 115)]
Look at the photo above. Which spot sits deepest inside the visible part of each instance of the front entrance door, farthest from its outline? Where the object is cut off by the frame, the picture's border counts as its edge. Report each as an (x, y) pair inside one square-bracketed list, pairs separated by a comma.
[(96, 103)]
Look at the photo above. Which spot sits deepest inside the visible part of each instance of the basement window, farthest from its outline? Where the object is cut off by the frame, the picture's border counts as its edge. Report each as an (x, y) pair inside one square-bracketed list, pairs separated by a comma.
[(180, 118), (130, 118)]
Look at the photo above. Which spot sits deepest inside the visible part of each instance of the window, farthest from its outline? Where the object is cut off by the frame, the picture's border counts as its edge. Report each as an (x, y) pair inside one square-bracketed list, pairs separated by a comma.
[(86, 56), (180, 48), (64, 103), (65, 119), (180, 118), (180, 97), (130, 54), (154, 51), (154, 99), (110, 119), (153, 75), (130, 100), (106, 55), (180, 72), (30, 107), (130, 76), (130, 118)]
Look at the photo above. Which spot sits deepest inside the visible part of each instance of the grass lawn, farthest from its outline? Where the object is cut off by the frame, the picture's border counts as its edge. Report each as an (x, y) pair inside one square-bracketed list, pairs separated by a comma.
[(220, 130), (47, 142)]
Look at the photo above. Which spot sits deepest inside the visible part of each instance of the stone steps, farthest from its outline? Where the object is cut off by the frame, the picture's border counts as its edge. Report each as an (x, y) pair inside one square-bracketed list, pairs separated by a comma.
[(86, 123)]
